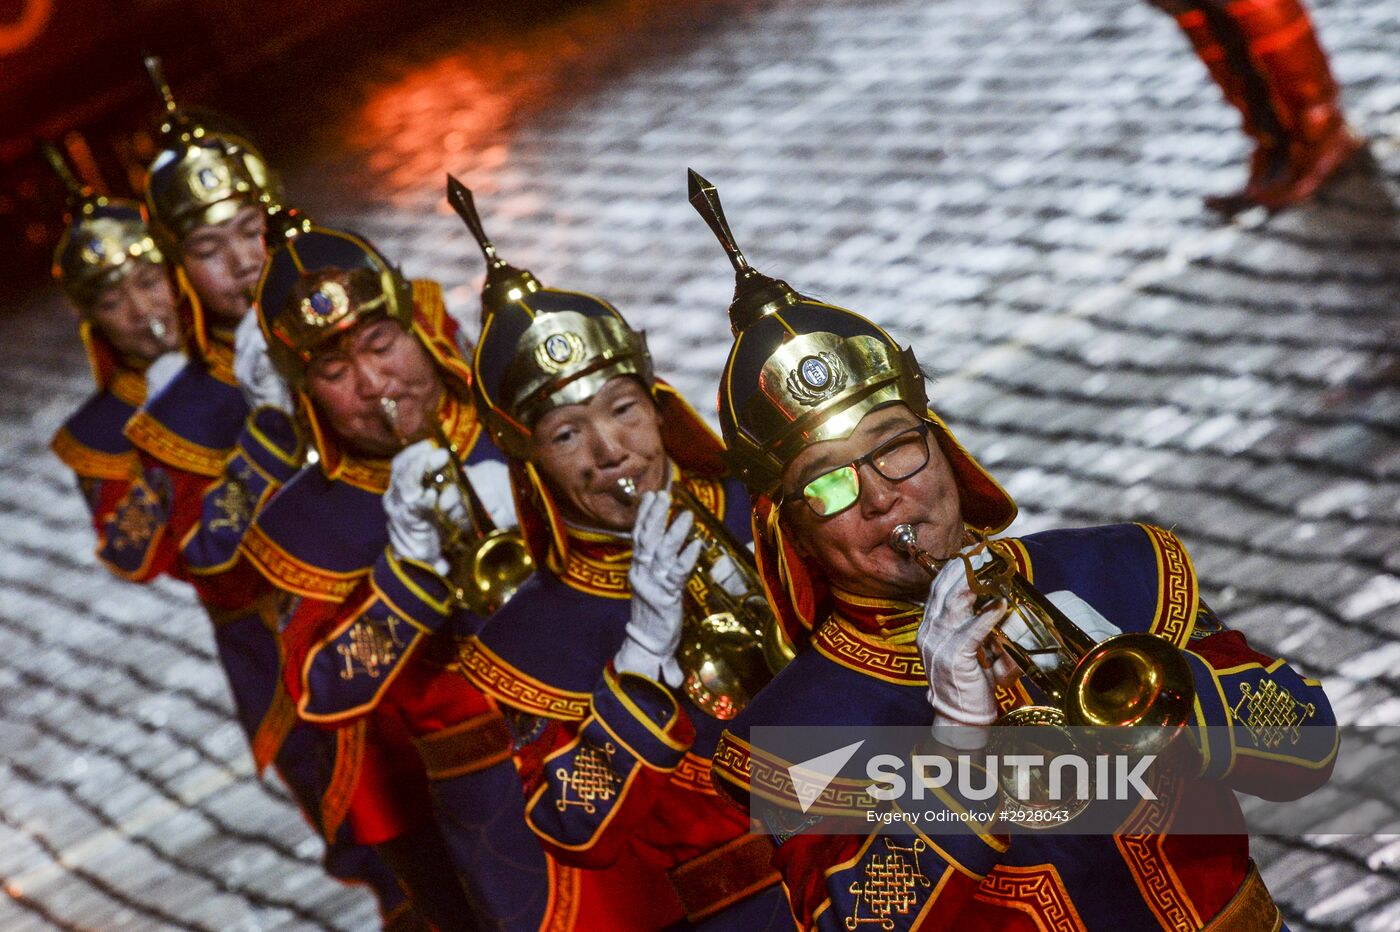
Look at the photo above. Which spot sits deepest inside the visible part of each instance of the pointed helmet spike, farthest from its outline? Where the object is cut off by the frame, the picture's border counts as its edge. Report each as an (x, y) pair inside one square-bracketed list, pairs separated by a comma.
[(460, 197), (153, 68), (77, 192), (755, 295), (505, 284), (705, 199)]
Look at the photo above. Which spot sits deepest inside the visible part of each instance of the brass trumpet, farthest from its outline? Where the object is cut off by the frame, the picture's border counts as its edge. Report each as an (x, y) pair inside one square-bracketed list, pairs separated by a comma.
[(1124, 680), (486, 564), (731, 645)]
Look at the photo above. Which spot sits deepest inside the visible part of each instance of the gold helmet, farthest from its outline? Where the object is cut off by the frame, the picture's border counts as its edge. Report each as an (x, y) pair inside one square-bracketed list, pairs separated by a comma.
[(322, 283), (800, 372), (205, 172), (319, 285), (541, 348), (106, 238)]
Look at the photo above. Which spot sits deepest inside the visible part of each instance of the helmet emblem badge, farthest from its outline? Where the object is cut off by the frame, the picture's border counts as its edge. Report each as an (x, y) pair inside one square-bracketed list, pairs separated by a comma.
[(326, 305), (558, 350), (816, 378)]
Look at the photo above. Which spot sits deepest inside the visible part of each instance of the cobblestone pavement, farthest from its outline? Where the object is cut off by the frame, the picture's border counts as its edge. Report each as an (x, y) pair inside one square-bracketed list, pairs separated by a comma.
[(1013, 186)]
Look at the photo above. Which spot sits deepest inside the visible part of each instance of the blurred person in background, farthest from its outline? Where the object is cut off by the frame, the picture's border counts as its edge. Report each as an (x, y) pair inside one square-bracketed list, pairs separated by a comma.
[(115, 276), (1267, 61), (218, 441)]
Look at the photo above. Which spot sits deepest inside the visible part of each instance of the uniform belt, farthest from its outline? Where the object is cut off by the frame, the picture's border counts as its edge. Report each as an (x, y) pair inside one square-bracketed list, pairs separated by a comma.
[(1251, 909), (725, 875), (467, 747)]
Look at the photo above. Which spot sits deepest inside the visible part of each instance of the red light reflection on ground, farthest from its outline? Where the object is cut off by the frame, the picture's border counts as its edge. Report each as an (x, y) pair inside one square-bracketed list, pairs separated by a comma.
[(457, 112)]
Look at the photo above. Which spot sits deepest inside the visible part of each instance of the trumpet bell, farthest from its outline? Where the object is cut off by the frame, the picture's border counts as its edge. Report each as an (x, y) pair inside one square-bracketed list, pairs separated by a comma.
[(499, 565), (1130, 680), (723, 671)]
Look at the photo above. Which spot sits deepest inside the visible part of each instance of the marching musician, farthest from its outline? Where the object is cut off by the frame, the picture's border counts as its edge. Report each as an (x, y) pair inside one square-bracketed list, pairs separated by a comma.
[(357, 539), (827, 422), (218, 441), (114, 274), (610, 738)]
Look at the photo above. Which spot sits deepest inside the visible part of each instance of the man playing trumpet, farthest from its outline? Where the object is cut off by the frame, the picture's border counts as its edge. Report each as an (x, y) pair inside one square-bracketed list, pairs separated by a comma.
[(218, 441), (610, 743), (827, 422), (113, 273), (357, 539)]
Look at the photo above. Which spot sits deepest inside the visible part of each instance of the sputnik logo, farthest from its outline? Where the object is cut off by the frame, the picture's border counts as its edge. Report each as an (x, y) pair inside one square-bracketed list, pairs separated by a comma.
[(811, 777)]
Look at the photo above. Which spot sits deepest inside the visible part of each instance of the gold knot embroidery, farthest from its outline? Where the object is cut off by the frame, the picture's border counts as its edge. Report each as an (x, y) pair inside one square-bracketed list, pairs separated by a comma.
[(591, 778), (1271, 714), (373, 644), (891, 885), (235, 506)]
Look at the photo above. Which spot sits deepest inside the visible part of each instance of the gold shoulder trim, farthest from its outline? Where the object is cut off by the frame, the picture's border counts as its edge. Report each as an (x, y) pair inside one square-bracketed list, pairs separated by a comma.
[(93, 464), (1177, 590), (293, 575), (509, 685), (170, 448)]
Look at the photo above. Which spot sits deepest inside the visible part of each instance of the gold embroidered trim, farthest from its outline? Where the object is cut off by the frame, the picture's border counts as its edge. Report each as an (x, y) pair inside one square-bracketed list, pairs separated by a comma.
[(1140, 844), (287, 572), (169, 447), (602, 577), (128, 386), (842, 642), (515, 688), (349, 756), (693, 774), (1177, 594), (92, 464), (1036, 891)]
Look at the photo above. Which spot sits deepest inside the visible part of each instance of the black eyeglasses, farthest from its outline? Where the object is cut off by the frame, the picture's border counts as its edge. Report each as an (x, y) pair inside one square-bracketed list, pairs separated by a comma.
[(838, 489)]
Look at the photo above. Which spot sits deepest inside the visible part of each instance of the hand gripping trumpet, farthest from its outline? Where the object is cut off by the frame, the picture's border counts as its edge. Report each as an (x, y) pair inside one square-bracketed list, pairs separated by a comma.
[(1124, 680), (731, 645), (486, 564)]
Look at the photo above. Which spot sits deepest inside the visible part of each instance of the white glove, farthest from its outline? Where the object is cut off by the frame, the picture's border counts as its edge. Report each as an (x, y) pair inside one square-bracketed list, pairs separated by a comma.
[(725, 572), (252, 366), (661, 563), (414, 510), (1080, 612), (164, 368), (490, 480), (961, 690)]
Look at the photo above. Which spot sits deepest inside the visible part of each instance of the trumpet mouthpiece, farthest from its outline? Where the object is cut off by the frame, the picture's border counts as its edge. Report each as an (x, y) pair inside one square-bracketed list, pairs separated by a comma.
[(157, 328), (903, 539), (626, 491)]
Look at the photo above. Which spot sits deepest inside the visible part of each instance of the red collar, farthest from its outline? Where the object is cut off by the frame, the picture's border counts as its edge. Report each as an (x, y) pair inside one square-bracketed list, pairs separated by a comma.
[(872, 615)]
